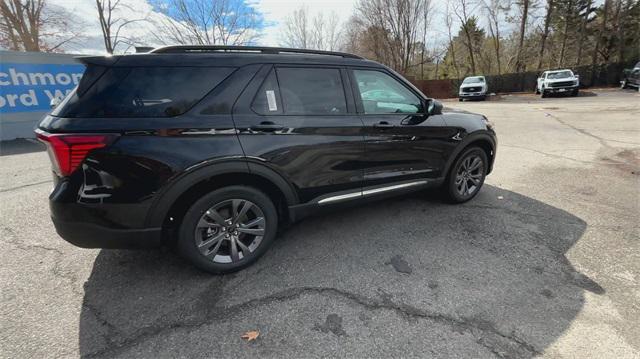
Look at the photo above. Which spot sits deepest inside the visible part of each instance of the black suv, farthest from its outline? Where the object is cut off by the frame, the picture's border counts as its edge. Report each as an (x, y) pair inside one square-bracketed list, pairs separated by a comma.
[(213, 148)]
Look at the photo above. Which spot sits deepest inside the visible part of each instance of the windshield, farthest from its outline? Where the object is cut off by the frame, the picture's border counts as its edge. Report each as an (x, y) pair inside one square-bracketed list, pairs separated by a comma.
[(470, 80), (559, 75)]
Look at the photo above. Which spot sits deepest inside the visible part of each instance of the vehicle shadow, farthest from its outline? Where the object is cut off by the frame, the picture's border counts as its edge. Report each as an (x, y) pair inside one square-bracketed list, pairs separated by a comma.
[(495, 267)]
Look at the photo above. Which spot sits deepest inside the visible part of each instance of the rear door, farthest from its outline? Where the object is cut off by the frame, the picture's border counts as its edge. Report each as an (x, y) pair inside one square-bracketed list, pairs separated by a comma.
[(402, 143), (301, 121)]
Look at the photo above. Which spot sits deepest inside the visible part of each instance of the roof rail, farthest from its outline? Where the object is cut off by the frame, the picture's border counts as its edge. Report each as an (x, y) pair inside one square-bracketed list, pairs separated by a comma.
[(176, 49)]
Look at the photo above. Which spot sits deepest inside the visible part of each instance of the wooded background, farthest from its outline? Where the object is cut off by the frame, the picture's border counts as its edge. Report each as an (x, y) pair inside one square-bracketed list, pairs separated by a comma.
[(510, 41)]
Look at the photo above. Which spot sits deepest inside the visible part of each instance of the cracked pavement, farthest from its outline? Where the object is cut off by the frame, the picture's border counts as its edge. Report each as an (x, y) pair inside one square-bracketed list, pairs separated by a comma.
[(544, 262)]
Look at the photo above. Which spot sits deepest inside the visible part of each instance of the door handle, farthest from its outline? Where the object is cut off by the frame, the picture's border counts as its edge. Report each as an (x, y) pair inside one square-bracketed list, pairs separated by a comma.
[(267, 126), (383, 124)]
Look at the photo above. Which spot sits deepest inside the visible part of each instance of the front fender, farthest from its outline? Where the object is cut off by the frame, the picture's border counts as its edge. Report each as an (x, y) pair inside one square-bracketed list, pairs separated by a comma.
[(480, 136)]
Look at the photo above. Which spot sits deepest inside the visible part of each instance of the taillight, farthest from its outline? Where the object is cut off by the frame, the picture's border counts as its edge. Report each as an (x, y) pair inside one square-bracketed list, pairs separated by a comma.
[(67, 151)]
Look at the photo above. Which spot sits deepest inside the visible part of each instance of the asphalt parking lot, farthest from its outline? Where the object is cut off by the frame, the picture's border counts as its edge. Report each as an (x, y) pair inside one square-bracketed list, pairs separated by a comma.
[(544, 262)]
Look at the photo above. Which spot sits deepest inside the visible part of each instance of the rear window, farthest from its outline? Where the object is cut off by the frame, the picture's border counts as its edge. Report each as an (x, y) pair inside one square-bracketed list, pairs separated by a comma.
[(143, 92)]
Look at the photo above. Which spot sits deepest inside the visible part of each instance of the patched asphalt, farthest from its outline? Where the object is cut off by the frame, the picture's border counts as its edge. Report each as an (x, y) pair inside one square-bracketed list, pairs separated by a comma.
[(544, 262)]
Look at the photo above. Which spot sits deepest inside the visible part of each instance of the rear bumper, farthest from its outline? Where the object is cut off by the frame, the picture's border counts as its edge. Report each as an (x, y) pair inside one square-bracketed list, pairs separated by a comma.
[(87, 235), (85, 224)]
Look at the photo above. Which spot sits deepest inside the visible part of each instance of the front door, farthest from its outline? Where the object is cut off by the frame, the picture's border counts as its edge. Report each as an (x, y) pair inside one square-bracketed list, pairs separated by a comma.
[(402, 142), (302, 122)]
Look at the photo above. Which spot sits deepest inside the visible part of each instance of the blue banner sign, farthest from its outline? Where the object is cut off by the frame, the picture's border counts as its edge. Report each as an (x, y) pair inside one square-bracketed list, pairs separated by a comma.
[(31, 87)]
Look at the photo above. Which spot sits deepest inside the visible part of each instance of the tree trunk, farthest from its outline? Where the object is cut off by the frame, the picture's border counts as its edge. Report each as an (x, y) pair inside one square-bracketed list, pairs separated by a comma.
[(583, 28), (470, 48), (603, 28), (523, 27), (105, 25), (620, 18), (565, 35), (545, 34), (453, 58)]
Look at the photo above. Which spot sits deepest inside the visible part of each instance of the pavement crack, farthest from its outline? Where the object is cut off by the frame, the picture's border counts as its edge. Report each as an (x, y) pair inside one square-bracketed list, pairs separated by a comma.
[(477, 328), (24, 186), (552, 154), (602, 141)]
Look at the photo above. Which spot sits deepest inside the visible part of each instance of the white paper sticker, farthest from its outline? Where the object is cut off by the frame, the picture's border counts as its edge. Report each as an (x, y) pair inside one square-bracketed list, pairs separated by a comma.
[(271, 100)]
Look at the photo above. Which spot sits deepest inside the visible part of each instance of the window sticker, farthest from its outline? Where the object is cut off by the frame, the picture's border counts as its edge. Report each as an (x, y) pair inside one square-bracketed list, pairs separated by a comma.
[(271, 100)]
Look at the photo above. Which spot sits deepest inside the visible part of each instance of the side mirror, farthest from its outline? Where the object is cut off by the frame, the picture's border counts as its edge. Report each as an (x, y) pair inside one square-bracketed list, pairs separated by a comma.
[(434, 108), (55, 102)]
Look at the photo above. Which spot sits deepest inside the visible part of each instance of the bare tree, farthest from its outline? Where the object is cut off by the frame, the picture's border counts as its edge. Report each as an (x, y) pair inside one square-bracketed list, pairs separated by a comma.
[(397, 25), (220, 22), (494, 8), (524, 6), (35, 25), (545, 32), (568, 15), (112, 23), (583, 27), (326, 31), (463, 10), (320, 32), (599, 39), (297, 29), (427, 11), (449, 23)]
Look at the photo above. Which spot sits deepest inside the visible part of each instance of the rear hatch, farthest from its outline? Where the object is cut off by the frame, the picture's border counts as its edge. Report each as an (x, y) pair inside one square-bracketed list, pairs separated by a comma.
[(115, 98)]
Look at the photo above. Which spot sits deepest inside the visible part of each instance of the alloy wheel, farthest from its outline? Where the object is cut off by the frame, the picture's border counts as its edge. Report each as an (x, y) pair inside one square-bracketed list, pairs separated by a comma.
[(469, 175), (230, 230)]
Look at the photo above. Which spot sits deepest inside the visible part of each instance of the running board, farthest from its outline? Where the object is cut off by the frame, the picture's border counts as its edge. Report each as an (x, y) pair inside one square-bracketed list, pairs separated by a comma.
[(369, 192)]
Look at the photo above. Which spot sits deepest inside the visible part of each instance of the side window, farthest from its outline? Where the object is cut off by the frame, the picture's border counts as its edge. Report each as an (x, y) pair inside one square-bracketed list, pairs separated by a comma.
[(143, 91), (381, 94), (311, 91), (267, 100)]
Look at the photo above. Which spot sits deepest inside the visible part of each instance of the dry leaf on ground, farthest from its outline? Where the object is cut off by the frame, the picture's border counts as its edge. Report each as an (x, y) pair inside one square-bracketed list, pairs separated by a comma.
[(250, 335)]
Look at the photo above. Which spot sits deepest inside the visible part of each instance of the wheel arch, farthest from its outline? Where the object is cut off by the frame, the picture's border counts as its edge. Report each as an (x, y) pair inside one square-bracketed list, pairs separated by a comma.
[(480, 139), (171, 204)]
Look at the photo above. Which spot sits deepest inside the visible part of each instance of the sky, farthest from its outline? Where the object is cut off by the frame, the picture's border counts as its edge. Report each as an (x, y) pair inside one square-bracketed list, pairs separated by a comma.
[(273, 11)]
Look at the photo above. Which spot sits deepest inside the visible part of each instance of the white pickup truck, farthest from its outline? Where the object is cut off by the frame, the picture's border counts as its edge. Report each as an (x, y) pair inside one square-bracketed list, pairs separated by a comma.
[(558, 81), (474, 87)]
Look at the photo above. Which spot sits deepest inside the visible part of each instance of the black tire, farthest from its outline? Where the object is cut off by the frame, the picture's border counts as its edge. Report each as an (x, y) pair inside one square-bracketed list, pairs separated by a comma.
[(575, 92), (188, 235), (452, 189), (543, 93), (460, 99), (537, 92)]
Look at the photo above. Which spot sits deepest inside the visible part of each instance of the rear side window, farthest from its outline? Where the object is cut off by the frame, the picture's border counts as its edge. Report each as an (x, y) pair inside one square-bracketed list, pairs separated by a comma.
[(267, 100), (311, 91), (143, 92)]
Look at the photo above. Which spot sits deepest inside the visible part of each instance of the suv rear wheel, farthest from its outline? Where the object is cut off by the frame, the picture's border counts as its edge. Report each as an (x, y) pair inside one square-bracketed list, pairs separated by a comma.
[(467, 175), (228, 229)]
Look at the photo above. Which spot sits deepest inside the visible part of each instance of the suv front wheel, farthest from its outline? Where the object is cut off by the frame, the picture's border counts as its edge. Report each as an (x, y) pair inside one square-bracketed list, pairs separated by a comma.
[(228, 229), (467, 175)]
